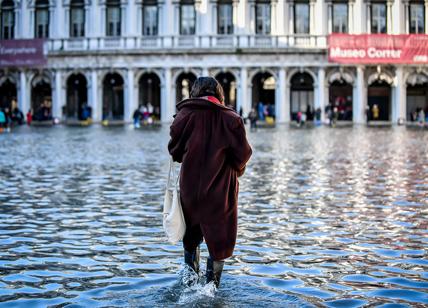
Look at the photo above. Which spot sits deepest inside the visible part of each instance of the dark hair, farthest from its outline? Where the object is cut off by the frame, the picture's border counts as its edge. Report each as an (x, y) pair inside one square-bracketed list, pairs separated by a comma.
[(207, 86)]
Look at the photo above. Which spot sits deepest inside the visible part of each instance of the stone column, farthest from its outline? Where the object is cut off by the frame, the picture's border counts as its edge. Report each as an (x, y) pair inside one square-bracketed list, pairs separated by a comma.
[(281, 102), (426, 16), (94, 98), (389, 17), (235, 21), (312, 17), (32, 32), (252, 16), (24, 95), (359, 98), (291, 18), (406, 16), (205, 71), (329, 18), (131, 23), (351, 29), (57, 101), (369, 17), (320, 92), (176, 19), (167, 104), (274, 19), (242, 92), (130, 101), (399, 101)]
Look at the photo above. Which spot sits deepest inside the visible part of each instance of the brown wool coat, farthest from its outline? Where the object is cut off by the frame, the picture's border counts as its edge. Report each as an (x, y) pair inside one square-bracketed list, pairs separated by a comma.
[(210, 141)]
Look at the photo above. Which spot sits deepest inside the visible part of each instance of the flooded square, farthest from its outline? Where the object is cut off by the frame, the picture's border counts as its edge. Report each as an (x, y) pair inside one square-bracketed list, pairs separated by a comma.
[(333, 217)]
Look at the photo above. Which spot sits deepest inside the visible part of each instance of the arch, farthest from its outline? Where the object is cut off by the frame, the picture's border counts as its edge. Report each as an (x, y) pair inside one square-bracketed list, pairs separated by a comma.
[(340, 75), (379, 100), (416, 78), (380, 76), (253, 73), (41, 98), (302, 95), (229, 85), (294, 71), (149, 93), (113, 100), (263, 86), (183, 85), (77, 97)]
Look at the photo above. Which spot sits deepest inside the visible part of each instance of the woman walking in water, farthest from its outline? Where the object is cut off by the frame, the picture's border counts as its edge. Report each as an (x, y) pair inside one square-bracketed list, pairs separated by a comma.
[(209, 140)]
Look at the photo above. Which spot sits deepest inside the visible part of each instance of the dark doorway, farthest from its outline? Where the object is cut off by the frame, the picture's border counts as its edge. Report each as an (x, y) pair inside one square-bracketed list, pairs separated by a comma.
[(41, 100), (379, 97), (184, 85), (149, 87), (302, 96), (77, 96), (417, 100), (8, 95), (263, 90), (228, 82), (340, 96), (113, 106)]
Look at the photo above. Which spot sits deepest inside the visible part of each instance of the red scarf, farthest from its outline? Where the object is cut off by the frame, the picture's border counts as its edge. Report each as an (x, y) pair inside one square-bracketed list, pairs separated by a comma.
[(213, 99)]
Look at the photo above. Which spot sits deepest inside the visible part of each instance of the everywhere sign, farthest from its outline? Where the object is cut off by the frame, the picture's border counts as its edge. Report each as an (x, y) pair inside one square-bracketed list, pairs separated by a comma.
[(29, 53), (378, 48)]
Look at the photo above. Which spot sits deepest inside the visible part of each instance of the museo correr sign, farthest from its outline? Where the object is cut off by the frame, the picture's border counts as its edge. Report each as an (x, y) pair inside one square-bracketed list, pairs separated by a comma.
[(18, 53), (378, 48)]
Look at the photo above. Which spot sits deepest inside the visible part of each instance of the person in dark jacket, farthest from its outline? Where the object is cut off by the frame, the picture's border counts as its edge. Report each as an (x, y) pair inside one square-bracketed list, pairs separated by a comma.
[(209, 140)]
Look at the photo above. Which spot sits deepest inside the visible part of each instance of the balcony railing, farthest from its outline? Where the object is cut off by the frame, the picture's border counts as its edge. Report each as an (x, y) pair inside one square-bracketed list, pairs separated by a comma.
[(190, 42)]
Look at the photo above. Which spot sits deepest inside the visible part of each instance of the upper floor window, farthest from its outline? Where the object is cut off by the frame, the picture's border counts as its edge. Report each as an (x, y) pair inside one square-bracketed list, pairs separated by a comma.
[(301, 18), (187, 18), (7, 20), (263, 17), (77, 18), (42, 19), (114, 18), (150, 18), (340, 17), (378, 18), (225, 17), (417, 18)]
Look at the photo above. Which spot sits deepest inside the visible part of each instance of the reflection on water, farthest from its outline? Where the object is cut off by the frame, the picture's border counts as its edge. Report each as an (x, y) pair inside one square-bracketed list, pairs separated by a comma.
[(332, 216)]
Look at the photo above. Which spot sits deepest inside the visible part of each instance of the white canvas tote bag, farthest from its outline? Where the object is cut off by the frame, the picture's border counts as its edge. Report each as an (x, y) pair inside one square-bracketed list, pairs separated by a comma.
[(173, 218)]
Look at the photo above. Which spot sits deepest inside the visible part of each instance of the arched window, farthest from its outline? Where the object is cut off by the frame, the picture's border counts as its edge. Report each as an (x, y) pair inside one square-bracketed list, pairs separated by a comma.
[(417, 17), (378, 17), (339, 13), (7, 20), (301, 17), (42, 19), (187, 17), (77, 18), (150, 17), (225, 17), (263, 17), (114, 18)]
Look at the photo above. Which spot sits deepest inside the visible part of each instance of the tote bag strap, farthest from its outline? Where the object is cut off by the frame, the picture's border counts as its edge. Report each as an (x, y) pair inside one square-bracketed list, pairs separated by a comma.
[(170, 173)]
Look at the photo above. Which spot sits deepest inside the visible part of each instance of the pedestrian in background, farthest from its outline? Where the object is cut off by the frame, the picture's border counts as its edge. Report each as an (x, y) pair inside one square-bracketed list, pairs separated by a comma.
[(209, 141)]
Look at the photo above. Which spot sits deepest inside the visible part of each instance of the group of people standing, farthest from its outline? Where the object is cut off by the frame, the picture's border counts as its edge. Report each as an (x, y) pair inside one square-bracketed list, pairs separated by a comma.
[(419, 115), (10, 117), (145, 115)]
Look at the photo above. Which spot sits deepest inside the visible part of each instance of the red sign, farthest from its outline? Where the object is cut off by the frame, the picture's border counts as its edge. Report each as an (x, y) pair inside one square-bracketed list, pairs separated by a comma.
[(29, 53), (378, 48)]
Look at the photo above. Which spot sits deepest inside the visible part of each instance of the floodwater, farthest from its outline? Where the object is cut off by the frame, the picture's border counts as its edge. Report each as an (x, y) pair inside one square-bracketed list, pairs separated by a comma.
[(327, 217)]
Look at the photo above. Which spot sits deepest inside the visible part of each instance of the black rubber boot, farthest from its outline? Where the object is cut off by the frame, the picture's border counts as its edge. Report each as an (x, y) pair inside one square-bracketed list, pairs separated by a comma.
[(214, 270), (192, 259)]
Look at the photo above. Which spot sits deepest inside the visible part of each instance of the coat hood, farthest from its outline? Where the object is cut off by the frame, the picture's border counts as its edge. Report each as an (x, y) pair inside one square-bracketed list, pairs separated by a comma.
[(200, 103)]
